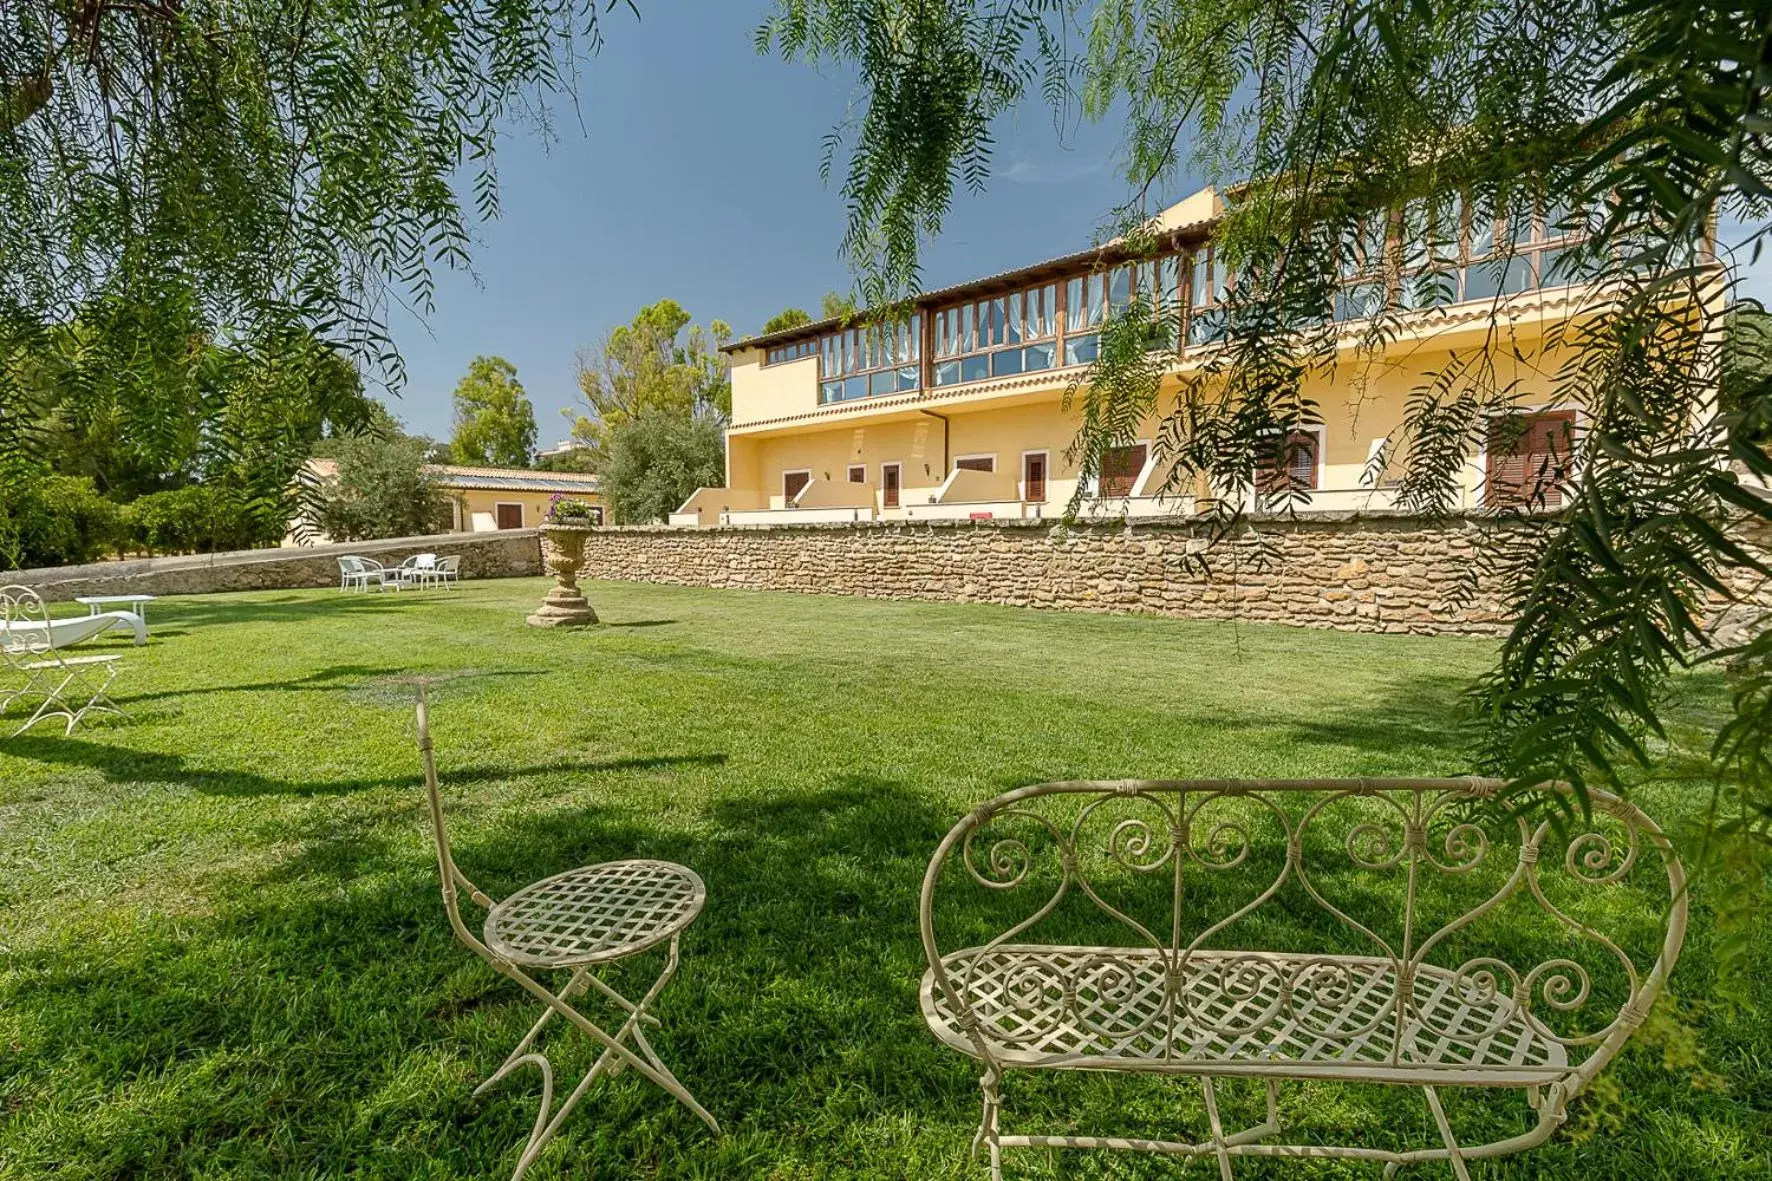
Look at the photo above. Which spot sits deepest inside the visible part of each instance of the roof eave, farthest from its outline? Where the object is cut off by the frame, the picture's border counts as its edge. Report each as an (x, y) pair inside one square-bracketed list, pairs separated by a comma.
[(1106, 254)]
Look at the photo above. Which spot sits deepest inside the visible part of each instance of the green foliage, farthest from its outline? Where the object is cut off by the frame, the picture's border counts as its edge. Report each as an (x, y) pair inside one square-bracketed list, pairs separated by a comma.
[(657, 459), (382, 490), (659, 361), (199, 518), (834, 305), (1652, 117), (785, 319), (576, 459), (570, 510), (494, 422), (58, 521), (250, 174)]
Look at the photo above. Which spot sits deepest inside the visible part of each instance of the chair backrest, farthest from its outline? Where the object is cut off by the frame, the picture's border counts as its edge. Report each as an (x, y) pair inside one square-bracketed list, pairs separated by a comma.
[(451, 564), (25, 635), (1257, 895), (446, 870), (424, 561), (350, 565)]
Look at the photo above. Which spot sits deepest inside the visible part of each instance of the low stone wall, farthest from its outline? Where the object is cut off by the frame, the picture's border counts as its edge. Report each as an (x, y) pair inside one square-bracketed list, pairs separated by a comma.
[(1351, 572), (508, 553)]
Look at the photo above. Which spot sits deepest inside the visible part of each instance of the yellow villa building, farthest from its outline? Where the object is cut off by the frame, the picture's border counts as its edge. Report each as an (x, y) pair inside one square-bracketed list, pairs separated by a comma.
[(958, 413)]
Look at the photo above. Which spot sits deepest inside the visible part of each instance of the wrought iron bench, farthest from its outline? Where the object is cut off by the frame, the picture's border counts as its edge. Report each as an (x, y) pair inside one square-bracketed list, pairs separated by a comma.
[(1403, 932)]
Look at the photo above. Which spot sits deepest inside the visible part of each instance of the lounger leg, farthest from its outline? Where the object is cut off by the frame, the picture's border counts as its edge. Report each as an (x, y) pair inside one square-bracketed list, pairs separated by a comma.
[(1217, 1127), (1453, 1152)]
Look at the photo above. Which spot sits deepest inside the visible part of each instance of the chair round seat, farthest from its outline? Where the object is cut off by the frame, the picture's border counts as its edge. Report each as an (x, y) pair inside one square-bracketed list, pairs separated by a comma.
[(596, 913)]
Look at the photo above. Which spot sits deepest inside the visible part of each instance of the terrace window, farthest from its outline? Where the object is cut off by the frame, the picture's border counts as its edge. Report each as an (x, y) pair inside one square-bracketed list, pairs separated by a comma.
[(997, 337), (793, 351), (872, 360), (1453, 251)]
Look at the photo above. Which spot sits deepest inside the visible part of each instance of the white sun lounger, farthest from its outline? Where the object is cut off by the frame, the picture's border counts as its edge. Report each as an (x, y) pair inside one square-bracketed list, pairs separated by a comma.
[(64, 633)]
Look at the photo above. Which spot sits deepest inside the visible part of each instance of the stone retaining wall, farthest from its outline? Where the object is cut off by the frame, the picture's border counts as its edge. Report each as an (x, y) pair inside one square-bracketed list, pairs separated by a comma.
[(506, 554), (1355, 573)]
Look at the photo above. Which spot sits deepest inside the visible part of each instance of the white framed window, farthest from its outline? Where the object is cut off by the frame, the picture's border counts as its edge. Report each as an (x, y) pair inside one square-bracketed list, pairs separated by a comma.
[(858, 473)]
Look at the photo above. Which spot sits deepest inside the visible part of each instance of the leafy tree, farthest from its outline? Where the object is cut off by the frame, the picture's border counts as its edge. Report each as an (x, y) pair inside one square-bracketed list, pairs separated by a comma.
[(253, 174), (657, 361), (1649, 116), (785, 319), (835, 305), (383, 490), (656, 459), (494, 422), (58, 521), (577, 459)]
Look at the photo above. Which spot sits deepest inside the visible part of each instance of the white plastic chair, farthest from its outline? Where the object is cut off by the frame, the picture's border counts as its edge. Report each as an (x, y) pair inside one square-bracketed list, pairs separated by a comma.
[(36, 668), (576, 922), (414, 571), (357, 573), (447, 572)]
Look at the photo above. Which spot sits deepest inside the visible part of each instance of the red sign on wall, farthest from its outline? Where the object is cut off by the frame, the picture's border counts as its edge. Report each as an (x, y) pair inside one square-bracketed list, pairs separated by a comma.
[(981, 516)]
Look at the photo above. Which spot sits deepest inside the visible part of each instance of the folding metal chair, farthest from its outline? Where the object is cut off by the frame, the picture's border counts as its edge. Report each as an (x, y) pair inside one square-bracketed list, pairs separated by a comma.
[(577, 922), (37, 667)]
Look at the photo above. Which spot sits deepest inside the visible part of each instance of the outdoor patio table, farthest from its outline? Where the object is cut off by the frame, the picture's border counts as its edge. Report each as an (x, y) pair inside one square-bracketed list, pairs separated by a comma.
[(136, 604)]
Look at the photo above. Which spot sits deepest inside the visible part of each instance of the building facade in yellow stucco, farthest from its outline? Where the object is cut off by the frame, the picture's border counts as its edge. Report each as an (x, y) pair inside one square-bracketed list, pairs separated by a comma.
[(959, 411)]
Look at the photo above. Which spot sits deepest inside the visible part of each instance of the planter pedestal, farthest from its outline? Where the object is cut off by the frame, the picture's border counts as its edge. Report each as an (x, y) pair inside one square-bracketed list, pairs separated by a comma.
[(562, 552)]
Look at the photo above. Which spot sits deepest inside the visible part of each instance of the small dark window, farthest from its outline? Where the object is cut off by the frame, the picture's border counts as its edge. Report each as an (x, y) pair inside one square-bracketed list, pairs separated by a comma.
[(977, 463), (858, 473), (792, 483), (510, 516)]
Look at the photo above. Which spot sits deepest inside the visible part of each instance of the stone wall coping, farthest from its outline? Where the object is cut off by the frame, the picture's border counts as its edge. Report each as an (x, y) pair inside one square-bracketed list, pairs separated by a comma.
[(1192, 523), (137, 567)]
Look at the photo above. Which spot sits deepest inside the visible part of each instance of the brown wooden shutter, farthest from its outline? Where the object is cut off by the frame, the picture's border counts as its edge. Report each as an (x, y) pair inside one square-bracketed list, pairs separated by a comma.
[(977, 463), (1292, 465), (1034, 478), (510, 516), (889, 485), (1119, 470), (1527, 459)]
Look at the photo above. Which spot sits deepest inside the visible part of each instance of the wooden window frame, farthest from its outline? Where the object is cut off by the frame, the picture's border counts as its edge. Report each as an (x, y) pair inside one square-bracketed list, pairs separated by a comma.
[(975, 456), (1021, 484), (794, 350), (516, 504), (787, 501), (852, 469), (855, 341)]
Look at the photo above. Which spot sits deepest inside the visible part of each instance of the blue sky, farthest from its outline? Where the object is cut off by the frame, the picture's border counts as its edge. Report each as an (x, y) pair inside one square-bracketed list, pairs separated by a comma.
[(695, 175), (690, 169)]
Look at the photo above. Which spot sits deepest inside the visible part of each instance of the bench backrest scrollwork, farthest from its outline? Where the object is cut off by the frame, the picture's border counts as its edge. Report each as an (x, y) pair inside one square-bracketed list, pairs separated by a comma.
[(1554, 919)]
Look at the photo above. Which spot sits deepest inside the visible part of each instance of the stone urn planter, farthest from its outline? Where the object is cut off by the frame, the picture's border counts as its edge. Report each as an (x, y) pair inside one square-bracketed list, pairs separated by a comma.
[(563, 553)]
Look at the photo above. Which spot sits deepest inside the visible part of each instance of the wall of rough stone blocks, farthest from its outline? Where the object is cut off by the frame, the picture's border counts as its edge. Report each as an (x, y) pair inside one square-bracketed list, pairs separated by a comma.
[(506, 554), (1354, 573)]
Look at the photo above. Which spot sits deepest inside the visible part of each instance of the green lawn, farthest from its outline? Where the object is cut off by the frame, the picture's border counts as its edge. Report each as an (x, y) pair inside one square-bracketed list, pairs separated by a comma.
[(225, 954)]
